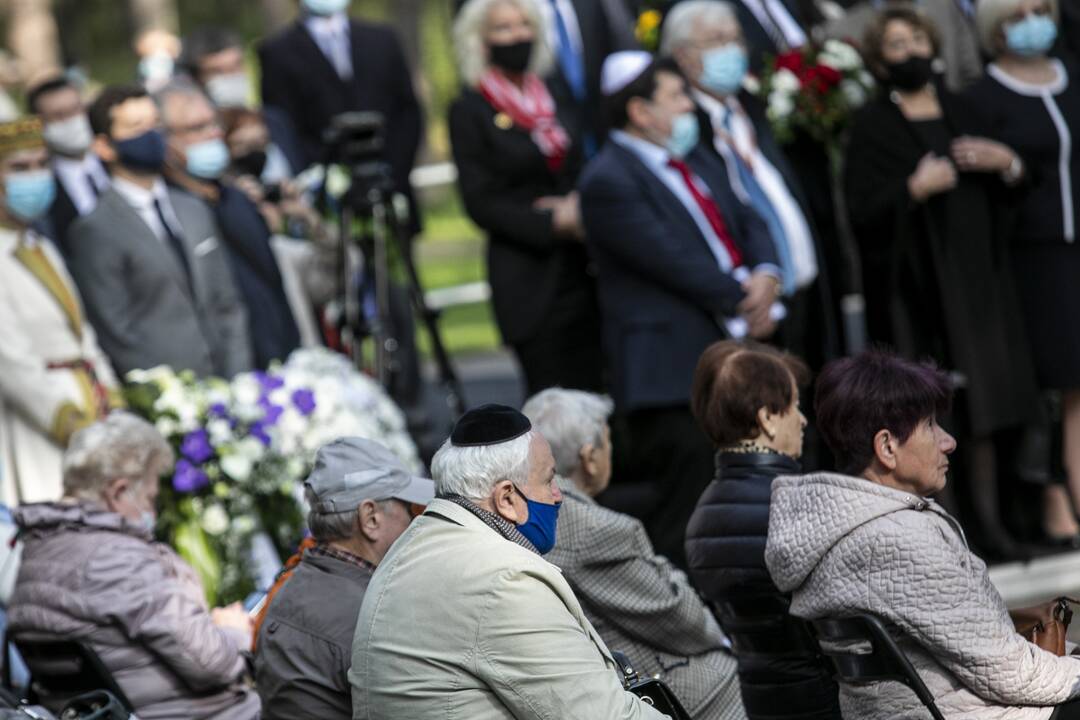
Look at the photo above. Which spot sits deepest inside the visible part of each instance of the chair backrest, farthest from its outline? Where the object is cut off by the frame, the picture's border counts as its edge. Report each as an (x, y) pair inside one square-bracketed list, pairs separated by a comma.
[(862, 651), (63, 669), (762, 625)]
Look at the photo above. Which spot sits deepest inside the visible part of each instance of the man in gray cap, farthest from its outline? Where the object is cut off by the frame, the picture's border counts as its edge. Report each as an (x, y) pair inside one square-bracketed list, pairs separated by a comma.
[(360, 496)]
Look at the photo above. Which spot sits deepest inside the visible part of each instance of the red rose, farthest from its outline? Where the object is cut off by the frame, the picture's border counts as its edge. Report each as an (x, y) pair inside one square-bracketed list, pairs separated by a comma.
[(819, 79), (792, 61), (830, 76)]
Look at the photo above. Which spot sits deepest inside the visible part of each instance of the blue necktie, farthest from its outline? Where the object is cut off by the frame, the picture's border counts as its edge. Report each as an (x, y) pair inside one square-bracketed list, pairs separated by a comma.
[(570, 62), (764, 207)]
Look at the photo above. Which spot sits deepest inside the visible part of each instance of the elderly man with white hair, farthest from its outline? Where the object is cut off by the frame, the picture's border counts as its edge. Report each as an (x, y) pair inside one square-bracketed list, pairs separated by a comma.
[(464, 618), (91, 572), (637, 600), (707, 41)]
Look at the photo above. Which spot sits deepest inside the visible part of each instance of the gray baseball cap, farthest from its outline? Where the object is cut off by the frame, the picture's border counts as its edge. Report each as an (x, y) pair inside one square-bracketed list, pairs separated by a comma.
[(350, 470)]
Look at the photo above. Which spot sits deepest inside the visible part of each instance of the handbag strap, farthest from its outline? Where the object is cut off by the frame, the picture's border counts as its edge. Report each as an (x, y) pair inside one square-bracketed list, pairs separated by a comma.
[(627, 674)]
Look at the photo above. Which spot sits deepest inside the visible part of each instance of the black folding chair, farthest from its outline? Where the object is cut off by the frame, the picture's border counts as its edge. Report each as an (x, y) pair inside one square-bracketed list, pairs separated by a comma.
[(862, 651), (762, 625), (61, 670)]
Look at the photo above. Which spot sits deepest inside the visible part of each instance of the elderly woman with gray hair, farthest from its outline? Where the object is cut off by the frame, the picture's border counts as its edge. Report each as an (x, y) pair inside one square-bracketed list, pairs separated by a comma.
[(518, 157), (92, 572), (637, 600)]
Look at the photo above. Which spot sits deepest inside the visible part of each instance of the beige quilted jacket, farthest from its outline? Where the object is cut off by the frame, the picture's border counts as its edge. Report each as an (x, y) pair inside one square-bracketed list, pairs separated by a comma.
[(844, 545)]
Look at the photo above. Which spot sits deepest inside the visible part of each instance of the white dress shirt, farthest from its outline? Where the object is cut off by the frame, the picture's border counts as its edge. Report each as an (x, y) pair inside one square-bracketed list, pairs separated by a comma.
[(656, 158), (141, 201), (331, 34), (796, 228), (774, 16), (80, 178), (569, 17)]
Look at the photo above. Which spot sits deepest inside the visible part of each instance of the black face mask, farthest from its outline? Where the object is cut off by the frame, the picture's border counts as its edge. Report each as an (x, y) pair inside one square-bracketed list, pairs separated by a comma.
[(513, 58), (911, 74), (252, 163)]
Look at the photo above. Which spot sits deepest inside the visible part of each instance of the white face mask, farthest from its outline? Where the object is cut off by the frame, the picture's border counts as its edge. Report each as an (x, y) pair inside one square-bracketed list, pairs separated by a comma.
[(71, 137), (229, 91)]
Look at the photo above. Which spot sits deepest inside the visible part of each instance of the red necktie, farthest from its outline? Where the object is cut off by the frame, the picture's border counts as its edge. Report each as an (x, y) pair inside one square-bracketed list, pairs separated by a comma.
[(711, 211)]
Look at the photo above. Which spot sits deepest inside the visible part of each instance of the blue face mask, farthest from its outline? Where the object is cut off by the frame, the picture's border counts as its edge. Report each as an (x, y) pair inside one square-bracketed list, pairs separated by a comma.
[(1032, 36), (684, 135), (207, 160), (539, 529), (723, 68), (142, 153), (29, 195), (325, 7)]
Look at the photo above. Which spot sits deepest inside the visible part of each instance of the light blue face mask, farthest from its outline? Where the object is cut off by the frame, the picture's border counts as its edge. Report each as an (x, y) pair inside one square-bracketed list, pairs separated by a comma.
[(325, 7), (723, 68), (29, 195), (1032, 36), (684, 135), (207, 160)]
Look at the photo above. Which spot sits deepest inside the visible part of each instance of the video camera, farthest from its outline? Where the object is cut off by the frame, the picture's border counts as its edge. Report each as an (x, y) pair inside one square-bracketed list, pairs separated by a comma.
[(356, 140)]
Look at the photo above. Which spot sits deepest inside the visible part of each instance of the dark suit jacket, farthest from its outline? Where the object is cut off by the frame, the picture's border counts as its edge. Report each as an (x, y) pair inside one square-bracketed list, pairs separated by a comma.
[(298, 78), (283, 134), (62, 213), (600, 36), (137, 296), (758, 42), (662, 295), (501, 173), (1070, 28)]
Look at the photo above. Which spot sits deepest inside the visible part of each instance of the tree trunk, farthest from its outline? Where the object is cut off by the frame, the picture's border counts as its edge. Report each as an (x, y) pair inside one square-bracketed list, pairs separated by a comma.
[(33, 38), (406, 20), (155, 15), (277, 14)]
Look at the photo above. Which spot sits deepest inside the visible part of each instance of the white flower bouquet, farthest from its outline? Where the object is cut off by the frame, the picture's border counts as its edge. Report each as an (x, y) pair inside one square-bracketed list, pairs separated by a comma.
[(244, 448)]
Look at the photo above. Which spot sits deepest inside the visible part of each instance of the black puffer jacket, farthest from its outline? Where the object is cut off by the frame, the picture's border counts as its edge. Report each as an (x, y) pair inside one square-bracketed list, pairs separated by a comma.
[(781, 675)]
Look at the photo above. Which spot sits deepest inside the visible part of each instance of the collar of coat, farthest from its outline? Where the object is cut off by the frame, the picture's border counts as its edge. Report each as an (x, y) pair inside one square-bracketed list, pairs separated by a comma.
[(496, 522)]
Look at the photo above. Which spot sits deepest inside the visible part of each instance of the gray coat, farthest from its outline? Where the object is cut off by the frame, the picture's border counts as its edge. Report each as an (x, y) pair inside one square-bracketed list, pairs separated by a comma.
[(304, 649), (845, 545), (137, 297), (644, 606), (87, 573)]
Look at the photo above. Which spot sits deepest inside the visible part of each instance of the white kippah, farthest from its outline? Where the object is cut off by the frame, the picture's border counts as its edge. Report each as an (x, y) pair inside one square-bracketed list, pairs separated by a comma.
[(622, 68)]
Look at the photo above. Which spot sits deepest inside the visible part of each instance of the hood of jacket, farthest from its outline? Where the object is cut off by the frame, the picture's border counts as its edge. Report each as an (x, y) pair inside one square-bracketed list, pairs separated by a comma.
[(810, 514), (41, 519)]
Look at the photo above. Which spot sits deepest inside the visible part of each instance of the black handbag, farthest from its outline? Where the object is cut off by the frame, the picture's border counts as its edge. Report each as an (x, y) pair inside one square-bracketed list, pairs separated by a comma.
[(652, 691), (96, 705)]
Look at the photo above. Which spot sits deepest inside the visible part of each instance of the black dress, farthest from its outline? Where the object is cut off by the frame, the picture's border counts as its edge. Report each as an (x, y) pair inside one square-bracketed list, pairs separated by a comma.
[(936, 274), (543, 295), (1033, 121)]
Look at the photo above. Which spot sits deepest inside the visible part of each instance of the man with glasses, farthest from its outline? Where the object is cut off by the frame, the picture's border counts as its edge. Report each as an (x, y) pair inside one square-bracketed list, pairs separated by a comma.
[(196, 161), (148, 260)]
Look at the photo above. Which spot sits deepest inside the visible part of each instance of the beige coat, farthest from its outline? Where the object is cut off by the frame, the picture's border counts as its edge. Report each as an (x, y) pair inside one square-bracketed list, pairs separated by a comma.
[(460, 623), (36, 328)]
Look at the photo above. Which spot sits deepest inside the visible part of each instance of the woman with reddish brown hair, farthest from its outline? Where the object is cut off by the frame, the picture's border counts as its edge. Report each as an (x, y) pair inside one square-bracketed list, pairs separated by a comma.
[(746, 398)]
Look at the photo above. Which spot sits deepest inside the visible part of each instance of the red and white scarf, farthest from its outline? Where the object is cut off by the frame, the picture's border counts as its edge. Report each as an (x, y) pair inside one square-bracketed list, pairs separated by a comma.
[(531, 108)]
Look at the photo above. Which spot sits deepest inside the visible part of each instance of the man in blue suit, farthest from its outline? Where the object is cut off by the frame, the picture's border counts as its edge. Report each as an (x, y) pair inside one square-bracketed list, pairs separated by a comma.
[(681, 264)]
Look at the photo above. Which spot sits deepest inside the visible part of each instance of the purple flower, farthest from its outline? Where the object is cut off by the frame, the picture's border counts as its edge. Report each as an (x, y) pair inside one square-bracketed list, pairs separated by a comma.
[(196, 446), (218, 410), (271, 412), (188, 478), (258, 431), (268, 382), (304, 400)]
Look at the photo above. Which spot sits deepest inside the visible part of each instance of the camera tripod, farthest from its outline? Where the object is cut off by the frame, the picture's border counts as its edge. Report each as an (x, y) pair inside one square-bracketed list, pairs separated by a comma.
[(371, 198)]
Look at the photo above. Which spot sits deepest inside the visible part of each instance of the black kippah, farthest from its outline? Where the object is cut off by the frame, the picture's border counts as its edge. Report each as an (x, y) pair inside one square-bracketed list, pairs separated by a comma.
[(489, 425)]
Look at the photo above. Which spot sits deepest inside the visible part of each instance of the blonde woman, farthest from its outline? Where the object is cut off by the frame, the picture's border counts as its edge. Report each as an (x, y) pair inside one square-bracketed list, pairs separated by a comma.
[(518, 156)]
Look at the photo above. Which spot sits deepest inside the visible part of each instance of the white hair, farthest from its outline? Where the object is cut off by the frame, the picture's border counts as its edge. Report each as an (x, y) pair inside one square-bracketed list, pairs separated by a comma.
[(339, 525), (569, 420), (990, 15), (469, 45), (120, 446), (685, 16), (180, 85), (472, 472)]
